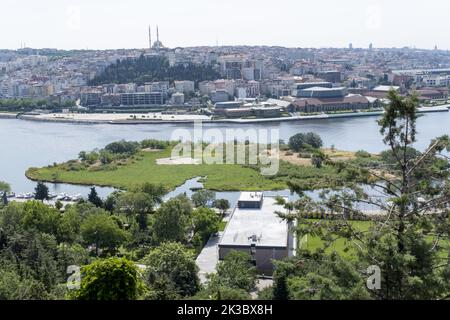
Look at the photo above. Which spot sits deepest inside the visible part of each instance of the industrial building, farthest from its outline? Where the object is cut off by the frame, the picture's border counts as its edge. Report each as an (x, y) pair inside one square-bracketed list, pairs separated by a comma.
[(255, 228)]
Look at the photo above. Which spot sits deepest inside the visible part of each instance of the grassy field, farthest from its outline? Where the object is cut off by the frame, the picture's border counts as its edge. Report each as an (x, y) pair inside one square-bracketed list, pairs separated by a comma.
[(145, 169), (314, 243)]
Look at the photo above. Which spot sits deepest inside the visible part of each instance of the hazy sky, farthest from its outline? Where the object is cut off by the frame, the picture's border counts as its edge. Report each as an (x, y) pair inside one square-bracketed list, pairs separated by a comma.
[(101, 24)]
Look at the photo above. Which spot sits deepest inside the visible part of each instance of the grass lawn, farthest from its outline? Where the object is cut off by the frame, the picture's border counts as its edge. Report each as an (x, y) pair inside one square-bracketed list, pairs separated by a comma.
[(220, 177), (313, 243)]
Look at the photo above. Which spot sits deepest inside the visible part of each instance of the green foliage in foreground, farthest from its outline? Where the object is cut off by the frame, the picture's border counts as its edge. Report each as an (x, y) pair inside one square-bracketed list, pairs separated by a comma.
[(109, 279)]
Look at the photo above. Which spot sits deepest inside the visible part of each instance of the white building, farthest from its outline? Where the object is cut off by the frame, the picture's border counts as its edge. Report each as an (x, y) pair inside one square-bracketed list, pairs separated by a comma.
[(185, 87), (255, 228), (178, 98)]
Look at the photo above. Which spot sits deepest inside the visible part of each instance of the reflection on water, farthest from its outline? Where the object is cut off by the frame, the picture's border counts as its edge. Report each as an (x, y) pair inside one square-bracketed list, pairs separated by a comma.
[(27, 144)]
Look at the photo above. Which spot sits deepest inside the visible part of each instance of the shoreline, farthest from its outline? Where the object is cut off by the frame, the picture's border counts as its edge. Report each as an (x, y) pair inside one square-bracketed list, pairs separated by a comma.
[(115, 119), (5, 115)]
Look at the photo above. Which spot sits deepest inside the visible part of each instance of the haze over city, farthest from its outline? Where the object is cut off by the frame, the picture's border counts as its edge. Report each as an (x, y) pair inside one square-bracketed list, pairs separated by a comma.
[(103, 24)]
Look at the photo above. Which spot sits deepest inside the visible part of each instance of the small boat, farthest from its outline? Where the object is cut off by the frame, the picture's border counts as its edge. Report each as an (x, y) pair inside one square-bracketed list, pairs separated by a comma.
[(76, 197), (61, 197), (10, 195)]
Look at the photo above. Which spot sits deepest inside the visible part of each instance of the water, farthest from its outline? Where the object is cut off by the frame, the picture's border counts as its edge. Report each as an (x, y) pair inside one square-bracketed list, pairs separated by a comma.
[(26, 144)]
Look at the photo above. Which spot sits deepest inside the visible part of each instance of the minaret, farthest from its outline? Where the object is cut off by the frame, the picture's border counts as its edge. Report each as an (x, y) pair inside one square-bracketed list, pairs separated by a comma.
[(149, 37), (157, 35)]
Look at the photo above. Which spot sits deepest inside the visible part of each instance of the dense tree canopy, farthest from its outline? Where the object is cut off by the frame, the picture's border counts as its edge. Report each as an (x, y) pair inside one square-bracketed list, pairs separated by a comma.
[(172, 220), (110, 279), (173, 263), (302, 141), (148, 69)]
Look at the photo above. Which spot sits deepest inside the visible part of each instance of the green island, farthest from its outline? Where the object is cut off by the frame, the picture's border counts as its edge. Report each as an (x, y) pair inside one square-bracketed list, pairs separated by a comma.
[(148, 161)]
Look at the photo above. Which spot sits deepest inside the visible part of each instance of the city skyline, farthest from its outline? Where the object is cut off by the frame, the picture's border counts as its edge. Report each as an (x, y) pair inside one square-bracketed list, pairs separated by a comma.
[(104, 25)]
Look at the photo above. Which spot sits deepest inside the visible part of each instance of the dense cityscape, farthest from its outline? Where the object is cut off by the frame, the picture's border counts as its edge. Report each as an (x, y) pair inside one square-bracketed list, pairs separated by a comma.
[(237, 82)]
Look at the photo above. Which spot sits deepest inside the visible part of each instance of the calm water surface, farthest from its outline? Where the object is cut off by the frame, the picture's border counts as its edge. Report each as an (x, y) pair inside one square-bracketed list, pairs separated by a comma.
[(27, 144)]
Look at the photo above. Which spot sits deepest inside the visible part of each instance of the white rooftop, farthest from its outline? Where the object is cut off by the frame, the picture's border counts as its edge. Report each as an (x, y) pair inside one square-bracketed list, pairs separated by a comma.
[(323, 89), (386, 88), (263, 224), (250, 196)]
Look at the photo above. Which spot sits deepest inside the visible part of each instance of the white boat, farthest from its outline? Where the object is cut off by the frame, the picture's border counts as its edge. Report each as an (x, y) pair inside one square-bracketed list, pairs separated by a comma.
[(76, 197), (61, 197)]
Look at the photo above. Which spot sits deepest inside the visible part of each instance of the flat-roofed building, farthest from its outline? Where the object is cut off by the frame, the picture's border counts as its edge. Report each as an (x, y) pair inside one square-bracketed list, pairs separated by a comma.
[(142, 98), (347, 103), (256, 229), (321, 92)]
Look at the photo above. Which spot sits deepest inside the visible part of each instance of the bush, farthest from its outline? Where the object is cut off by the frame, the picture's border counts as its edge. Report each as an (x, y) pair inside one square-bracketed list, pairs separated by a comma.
[(362, 154), (154, 144), (123, 147), (304, 155), (302, 141)]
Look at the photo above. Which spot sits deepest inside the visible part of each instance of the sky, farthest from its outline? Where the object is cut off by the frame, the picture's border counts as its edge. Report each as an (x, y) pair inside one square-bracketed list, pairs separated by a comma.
[(114, 24)]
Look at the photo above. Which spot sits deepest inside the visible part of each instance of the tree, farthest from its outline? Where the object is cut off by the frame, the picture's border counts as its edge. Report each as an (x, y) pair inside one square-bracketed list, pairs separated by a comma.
[(123, 147), (320, 277), (136, 203), (202, 197), (235, 271), (223, 205), (172, 220), (15, 287), (94, 198), (172, 262), (69, 226), (101, 229), (212, 292), (4, 187), (156, 191), (41, 191), (110, 279), (4, 199), (302, 141), (406, 238), (206, 222), (41, 217), (317, 159), (314, 140)]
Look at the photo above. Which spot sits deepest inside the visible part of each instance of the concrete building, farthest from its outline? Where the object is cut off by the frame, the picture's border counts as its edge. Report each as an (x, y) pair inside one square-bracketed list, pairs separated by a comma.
[(178, 98), (142, 98), (320, 92), (256, 229), (315, 105), (330, 76), (219, 96), (185, 87)]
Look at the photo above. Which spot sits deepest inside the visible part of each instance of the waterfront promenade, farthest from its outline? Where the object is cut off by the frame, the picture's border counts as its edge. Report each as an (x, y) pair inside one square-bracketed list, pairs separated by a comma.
[(155, 118)]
